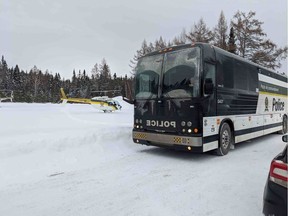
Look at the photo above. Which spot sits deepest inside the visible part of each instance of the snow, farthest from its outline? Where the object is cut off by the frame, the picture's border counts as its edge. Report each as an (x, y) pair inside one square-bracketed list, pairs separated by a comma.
[(76, 160)]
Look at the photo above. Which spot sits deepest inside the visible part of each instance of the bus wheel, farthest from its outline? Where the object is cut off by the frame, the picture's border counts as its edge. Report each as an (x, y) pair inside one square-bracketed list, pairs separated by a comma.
[(284, 125), (225, 140)]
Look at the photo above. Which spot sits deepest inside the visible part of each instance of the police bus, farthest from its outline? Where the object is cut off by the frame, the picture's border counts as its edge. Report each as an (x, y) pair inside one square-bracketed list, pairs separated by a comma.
[(198, 97)]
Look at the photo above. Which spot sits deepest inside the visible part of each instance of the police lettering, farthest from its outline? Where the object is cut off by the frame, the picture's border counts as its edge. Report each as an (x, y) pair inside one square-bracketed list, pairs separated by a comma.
[(155, 123), (277, 105)]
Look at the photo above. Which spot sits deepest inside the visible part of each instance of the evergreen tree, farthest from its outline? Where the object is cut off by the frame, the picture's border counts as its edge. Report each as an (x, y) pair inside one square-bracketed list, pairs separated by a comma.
[(16, 77), (231, 43), (56, 87), (200, 33), (83, 77), (74, 80), (3, 73), (17, 83), (78, 84), (6, 75), (105, 75), (50, 88)]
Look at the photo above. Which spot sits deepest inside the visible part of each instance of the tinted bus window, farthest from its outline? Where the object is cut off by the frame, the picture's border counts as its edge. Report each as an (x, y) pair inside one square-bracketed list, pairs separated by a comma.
[(241, 75), (252, 78), (228, 72)]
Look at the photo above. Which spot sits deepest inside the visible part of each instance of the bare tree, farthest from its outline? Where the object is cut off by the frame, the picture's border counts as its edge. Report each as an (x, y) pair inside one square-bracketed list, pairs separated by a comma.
[(200, 33), (145, 49), (220, 32), (269, 56), (252, 43), (160, 44)]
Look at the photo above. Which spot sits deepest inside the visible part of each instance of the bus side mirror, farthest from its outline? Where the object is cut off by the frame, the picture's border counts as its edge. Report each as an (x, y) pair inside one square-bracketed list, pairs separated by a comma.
[(128, 100), (208, 86), (285, 138)]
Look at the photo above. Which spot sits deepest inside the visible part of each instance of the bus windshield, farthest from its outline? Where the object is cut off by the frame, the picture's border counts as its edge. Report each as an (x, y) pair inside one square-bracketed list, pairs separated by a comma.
[(179, 71), (148, 71)]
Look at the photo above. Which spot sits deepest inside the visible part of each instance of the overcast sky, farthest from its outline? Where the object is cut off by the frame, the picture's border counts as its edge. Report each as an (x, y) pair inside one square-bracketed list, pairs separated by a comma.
[(62, 35)]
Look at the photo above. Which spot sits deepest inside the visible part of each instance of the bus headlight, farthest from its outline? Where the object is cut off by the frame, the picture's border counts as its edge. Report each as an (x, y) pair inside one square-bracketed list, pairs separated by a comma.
[(183, 123), (189, 124), (138, 123), (189, 130)]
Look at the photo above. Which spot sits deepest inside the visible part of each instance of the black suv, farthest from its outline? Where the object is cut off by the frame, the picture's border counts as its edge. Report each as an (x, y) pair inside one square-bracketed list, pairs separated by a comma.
[(275, 193)]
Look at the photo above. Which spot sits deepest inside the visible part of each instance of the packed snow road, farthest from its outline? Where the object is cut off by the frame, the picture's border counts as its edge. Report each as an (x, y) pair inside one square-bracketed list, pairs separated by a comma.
[(75, 160)]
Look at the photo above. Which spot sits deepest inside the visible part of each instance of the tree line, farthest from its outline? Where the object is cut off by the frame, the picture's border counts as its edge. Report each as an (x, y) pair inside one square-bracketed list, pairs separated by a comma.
[(39, 86), (245, 37)]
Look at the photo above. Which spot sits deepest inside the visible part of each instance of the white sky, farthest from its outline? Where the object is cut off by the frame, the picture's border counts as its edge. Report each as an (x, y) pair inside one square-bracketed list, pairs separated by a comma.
[(62, 35)]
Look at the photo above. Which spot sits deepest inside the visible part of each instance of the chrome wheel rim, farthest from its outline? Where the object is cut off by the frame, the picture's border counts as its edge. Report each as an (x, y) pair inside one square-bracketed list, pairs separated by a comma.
[(225, 139)]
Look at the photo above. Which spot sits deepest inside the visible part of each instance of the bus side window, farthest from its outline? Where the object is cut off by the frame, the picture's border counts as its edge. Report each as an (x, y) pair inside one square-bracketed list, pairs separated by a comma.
[(241, 71), (210, 71)]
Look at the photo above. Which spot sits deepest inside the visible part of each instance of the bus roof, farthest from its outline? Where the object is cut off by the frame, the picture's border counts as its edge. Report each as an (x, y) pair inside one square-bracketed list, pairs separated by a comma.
[(217, 49)]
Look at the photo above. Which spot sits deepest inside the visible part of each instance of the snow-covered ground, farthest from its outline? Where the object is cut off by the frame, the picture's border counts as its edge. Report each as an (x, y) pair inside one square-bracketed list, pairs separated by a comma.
[(75, 160)]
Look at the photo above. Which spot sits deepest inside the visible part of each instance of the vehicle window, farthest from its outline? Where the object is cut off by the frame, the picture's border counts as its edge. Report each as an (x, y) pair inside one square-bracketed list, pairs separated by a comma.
[(147, 76), (253, 78), (181, 73), (226, 71), (241, 75), (147, 84), (210, 71)]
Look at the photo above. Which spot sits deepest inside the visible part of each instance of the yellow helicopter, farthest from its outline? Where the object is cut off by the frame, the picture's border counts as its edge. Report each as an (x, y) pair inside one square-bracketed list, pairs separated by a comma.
[(103, 103)]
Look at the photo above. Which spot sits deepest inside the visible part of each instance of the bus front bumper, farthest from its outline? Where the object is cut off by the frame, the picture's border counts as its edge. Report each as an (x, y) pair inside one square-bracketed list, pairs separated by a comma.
[(165, 140)]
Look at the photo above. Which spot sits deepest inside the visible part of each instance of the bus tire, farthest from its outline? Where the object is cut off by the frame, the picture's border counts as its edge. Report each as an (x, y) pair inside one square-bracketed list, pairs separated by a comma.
[(225, 140)]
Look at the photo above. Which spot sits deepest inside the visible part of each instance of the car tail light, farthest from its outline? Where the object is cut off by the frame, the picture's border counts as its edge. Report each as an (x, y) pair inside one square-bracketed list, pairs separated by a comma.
[(279, 173)]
